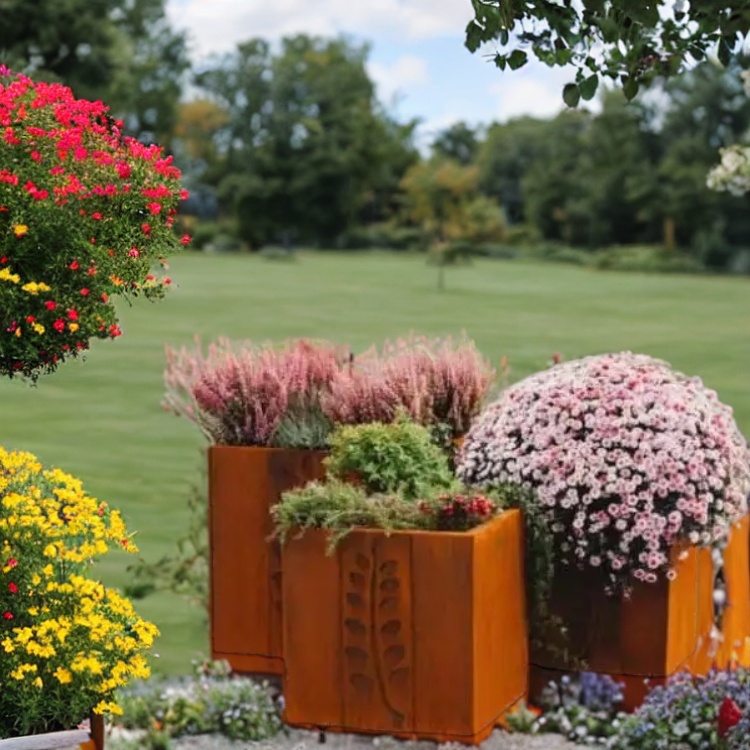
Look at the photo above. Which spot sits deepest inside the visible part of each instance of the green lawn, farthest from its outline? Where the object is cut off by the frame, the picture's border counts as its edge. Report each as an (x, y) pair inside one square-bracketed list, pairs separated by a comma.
[(101, 419)]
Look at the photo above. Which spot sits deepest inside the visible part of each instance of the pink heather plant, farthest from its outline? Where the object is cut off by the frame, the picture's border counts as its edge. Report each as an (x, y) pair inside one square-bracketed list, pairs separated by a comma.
[(437, 382), (238, 395), (626, 456)]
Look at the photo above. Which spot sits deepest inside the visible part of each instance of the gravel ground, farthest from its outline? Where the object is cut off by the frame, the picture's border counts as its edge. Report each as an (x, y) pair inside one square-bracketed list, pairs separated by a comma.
[(299, 740)]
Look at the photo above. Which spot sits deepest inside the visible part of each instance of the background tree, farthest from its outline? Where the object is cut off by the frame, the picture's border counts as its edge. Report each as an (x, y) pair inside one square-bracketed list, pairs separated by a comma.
[(305, 140), (443, 198), (505, 156), (614, 161), (553, 189), (458, 142), (699, 112), (121, 51), (631, 42)]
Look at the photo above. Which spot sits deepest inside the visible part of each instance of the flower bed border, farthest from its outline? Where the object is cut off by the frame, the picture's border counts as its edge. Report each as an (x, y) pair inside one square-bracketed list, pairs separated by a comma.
[(86, 739)]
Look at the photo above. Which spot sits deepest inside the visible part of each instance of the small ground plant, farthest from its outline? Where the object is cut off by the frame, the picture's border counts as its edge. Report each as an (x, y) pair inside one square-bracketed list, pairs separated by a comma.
[(211, 701), (694, 713), (584, 709)]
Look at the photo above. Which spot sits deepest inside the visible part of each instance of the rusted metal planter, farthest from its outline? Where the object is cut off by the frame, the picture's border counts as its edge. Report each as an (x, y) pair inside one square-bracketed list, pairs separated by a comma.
[(416, 634), (662, 629), (245, 565)]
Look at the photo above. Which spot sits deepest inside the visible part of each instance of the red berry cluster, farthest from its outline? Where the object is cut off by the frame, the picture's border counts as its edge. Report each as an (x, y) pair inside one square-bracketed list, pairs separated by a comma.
[(459, 512)]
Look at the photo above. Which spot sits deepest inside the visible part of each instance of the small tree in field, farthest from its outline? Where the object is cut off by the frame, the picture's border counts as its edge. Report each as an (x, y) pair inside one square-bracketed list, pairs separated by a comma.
[(443, 198)]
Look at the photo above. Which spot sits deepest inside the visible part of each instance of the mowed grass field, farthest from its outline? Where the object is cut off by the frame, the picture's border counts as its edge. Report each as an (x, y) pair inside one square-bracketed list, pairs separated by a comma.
[(101, 419)]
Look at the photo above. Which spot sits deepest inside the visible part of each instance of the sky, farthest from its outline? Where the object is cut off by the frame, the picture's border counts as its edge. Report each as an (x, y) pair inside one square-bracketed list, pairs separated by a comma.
[(417, 58)]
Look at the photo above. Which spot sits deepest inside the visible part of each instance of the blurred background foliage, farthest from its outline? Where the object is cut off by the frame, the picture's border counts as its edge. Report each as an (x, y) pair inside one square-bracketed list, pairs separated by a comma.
[(287, 145)]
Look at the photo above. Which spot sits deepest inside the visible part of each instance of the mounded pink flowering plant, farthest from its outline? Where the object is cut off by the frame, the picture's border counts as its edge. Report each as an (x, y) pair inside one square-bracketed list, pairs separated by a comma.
[(85, 213), (626, 456)]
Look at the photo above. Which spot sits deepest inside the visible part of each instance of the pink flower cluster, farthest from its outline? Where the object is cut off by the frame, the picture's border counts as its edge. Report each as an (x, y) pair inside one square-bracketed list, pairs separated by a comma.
[(238, 395), (626, 456), (437, 381)]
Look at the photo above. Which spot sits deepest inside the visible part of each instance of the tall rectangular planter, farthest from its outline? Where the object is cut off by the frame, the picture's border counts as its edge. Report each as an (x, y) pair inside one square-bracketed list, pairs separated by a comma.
[(417, 634), (245, 567), (662, 629)]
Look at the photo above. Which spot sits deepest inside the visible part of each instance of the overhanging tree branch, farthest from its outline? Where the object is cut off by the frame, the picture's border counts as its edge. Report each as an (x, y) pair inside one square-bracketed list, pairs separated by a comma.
[(631, 42)]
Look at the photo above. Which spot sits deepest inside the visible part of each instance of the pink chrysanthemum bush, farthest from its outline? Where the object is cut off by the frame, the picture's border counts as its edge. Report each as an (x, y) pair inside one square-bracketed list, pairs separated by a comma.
[(254, 394), (439, 382), (85, 214), (625, 455)]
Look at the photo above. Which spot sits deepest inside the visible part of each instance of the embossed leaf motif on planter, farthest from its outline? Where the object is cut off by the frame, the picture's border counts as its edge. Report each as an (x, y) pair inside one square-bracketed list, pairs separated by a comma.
[(377, 659)]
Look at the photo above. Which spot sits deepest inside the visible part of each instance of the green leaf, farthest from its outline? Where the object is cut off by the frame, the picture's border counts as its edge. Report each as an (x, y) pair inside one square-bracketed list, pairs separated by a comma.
[(501, 61), (474, 34), (571, 94), (588, 87), (517, 59), (630, 87), (725, 50)]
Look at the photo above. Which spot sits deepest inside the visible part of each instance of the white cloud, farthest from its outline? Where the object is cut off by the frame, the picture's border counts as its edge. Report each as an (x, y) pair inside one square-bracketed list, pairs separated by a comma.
[(529, 92), (217, 25), (407, 72), (534, 90)]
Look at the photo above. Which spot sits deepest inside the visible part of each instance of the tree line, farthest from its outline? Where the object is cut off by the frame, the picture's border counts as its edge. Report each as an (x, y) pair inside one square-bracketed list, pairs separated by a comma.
[(291, 142)]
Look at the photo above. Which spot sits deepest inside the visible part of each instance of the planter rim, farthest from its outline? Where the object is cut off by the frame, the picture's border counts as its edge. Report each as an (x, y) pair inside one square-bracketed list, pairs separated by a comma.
[(266, 448), (296, 532)]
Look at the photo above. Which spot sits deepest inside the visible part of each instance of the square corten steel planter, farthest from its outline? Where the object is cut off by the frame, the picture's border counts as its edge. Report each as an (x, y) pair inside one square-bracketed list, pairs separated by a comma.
[(415, 634), (245, 567), (82, 739), (662, 629)]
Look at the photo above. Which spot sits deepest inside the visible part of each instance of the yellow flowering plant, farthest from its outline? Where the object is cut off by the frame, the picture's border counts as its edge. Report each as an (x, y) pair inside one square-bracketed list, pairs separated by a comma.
[(67, 642), (85, 214)]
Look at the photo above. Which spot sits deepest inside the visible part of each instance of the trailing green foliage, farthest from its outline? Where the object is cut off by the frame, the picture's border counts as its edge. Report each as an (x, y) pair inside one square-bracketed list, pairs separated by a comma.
[(391, 458), (340, 507)]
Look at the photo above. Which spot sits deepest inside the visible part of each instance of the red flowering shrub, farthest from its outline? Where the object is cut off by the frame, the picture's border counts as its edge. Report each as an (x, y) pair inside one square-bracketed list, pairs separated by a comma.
[(84, 214)]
